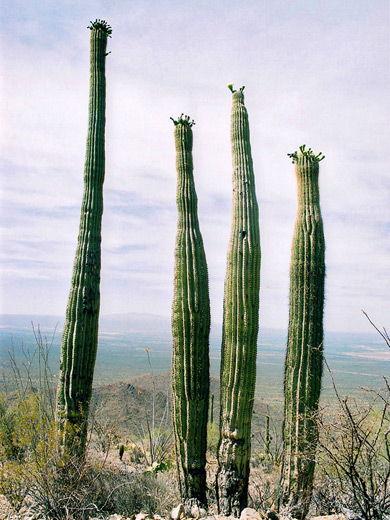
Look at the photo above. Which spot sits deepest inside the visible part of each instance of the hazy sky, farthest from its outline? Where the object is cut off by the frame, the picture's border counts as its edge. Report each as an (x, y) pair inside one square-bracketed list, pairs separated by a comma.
[(315, 73)]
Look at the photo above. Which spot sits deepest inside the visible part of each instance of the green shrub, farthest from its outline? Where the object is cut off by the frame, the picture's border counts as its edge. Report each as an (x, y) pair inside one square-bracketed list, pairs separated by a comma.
[(59, 485)]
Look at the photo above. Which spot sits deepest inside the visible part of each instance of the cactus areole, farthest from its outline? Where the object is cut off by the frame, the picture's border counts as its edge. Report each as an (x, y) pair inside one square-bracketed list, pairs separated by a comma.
[(80, 335), (240, 322), (190, 330), (304, 356)]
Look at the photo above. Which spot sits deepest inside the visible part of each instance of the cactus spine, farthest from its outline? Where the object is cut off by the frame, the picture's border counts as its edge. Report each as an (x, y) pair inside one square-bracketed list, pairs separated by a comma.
[(304, 357), (80, 335), (240, 322), (190, 329)]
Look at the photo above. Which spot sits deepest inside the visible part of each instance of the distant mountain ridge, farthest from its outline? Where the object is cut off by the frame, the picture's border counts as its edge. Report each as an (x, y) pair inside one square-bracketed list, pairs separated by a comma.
[(355, 358), (129, 322), (120, 323), (134, 322), (25, 321)]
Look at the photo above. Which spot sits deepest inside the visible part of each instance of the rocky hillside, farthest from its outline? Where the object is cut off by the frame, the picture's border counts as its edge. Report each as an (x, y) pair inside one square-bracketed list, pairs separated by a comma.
[(127, 405)]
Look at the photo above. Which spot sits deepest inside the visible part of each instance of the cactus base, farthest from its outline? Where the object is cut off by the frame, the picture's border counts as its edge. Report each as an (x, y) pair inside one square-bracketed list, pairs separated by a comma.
[(232, 491)]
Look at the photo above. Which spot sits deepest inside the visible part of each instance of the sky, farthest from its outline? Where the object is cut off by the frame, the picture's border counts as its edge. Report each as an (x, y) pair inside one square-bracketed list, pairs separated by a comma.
[(315, 73)]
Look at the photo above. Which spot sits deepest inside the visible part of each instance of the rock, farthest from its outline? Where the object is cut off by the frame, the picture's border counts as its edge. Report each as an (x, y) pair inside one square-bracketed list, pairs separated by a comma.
[(250, 514), (198, 512), (141, 516), (114, 517), (177, 512), (28, 501), (334, 517), (350, 515)]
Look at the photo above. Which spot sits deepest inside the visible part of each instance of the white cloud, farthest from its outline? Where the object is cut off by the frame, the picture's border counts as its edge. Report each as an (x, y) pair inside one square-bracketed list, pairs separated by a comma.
[(313, 75)]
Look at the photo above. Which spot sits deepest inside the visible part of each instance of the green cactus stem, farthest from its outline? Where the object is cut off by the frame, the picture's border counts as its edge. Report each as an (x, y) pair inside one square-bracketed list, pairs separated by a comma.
[(80, 335), (190, 329), (121, 451), (267, 437), (304, 356), (212, 409), (240, 322)]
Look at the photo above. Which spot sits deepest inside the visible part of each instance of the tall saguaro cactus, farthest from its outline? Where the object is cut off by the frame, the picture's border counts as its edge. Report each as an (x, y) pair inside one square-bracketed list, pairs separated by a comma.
[(80, 335), (304, 357), (190, 329), (240, 322)]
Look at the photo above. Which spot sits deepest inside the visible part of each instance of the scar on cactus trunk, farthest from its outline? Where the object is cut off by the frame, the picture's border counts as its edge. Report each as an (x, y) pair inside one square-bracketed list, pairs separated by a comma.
[(304, 356), (80, 335), (240, 322), (190, 330)]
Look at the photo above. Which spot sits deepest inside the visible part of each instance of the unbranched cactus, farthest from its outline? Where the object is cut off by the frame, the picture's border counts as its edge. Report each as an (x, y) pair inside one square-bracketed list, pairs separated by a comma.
[(121, 451), (212, 409), (240, 322), (304, 357), (190, 329), (267, 436), (80, 335)]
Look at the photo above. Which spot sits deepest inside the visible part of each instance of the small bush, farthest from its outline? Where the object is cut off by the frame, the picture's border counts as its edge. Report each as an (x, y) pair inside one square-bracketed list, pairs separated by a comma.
[(64, 487), (134, 454), (264, 488), (57, 484), (129, 493), (354, 456)]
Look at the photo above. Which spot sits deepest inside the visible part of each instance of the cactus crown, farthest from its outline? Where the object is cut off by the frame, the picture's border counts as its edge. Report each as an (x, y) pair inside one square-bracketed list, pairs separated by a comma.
[(230, 87), (101, 25), (183, 120), (305, 153)]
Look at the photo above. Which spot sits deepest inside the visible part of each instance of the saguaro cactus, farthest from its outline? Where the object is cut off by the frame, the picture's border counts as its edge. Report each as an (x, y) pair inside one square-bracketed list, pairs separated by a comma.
[(240, 322), (304, 357), (190, 329), (212, 409), (267, 436), (80, 335)]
